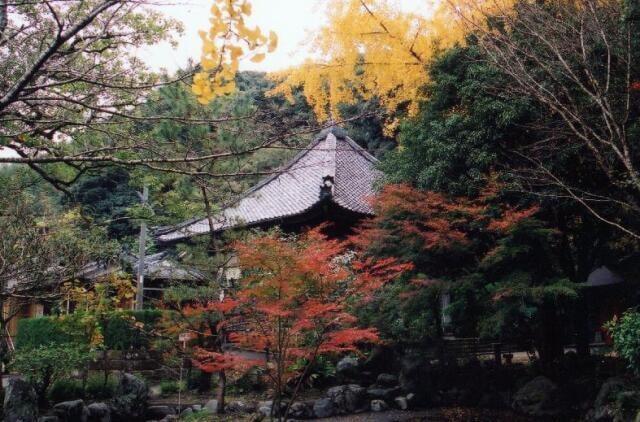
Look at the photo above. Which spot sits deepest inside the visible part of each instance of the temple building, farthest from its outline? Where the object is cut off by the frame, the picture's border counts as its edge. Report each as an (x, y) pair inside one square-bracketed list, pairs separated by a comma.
[(333, 179)]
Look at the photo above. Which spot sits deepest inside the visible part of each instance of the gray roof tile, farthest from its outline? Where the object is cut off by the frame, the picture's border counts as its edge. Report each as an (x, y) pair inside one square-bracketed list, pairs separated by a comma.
[(295, 188)]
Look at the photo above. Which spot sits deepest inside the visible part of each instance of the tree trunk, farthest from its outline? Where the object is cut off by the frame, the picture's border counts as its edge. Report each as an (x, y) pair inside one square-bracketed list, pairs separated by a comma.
[(220, 393), (204, 382)]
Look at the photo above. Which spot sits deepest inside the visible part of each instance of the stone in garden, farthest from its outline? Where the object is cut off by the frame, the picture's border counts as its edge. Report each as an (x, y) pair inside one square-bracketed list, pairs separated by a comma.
[(239, 406), (186, 412), (300, 410), (99, 412), (381, 359), (20, 402), (378, 406), (130, 399), (323, 408), (264, 407), (604, 407), (539, 398), (211, 406), (401, 402), (196, 407), (381, 393), (159, 412), (414, 376), (388, 380), (71, 411), (347, 398), (347, 367)]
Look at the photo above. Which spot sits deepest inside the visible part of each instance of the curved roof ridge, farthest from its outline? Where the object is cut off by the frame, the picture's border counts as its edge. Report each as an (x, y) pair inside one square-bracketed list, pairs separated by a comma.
[(297, 188)]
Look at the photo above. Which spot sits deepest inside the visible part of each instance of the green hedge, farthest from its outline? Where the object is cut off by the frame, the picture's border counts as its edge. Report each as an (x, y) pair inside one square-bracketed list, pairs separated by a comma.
[(118, 329), (42, 331), (120, 333)]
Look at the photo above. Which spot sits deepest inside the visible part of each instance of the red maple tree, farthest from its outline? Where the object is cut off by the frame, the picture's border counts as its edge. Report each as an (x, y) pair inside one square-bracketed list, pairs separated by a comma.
[(293, 302)]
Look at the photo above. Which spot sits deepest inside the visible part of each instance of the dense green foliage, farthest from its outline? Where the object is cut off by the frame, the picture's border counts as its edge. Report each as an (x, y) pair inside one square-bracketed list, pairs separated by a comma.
[(457, 138), (625, 332), (121, 332)]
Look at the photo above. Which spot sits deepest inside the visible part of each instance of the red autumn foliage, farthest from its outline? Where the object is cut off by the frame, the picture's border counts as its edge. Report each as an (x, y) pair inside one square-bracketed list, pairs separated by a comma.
[(433, 219), (293, 301)]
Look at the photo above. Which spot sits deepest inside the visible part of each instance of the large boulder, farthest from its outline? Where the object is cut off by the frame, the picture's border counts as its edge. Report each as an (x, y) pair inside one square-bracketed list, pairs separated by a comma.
[(159, 412), (301, 410), (99, 412), (239, 406), (606, 407), (130, 400), (71, 411), (211, 406), (347, 368), (539, 398), (378, 406), (415, 376), (347, 399), (383, 393), (20, 402), (388, 380), (381, 359), (324, 408)]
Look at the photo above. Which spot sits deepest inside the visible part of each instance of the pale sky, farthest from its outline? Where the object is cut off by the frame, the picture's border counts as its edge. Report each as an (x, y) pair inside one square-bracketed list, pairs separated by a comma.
[(292, 20)]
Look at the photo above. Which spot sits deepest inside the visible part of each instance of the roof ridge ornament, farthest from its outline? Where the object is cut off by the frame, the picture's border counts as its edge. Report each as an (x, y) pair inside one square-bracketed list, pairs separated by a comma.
[(326, 189)]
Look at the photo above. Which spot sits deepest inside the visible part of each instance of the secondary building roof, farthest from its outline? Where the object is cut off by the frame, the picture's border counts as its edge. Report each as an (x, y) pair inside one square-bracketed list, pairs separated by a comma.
[(332, 168)]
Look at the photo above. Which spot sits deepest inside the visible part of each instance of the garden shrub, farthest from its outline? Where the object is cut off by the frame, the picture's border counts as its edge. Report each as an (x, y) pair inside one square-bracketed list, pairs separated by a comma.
[(96, 388), (625, 332), (170, 387), (65, 389), (36, 332), (121, 333), (44, 365)]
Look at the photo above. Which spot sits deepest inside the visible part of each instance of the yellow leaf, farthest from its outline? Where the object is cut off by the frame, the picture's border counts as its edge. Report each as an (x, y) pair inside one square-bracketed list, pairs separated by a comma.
[(273, 41), (246, 8), (235, 52), (258, 58)]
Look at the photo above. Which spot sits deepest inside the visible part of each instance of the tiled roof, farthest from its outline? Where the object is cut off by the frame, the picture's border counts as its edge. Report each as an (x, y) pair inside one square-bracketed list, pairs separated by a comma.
[(295, 188)]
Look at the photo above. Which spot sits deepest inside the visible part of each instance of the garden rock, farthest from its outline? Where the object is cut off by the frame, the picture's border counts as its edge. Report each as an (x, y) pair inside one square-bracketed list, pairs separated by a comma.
[(99, 412), (186, 412), (381, 393), (324, 408), (159, 412), (264, 408), (539, 398), (604, 407), (347, 367), (71, 411), (300, 410), (211, 406), (388, 380), (347, 399), (196, 407), (381, 359), (401, 402), (378, 406), (239, 406), (20, 402), (414, 374), (130, 401)]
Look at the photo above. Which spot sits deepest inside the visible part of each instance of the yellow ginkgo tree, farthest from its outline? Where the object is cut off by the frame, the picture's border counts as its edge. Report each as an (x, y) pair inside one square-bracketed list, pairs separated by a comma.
[(228, 41), (372, 48)]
